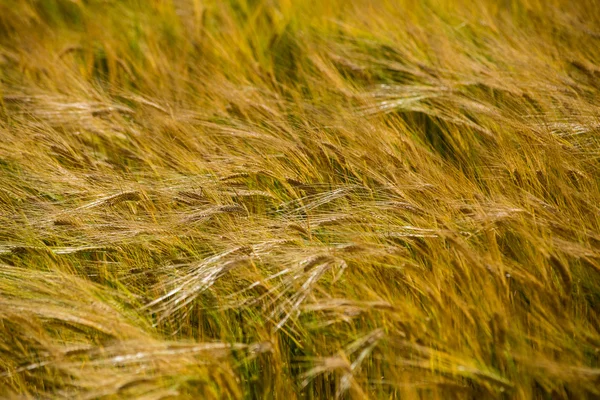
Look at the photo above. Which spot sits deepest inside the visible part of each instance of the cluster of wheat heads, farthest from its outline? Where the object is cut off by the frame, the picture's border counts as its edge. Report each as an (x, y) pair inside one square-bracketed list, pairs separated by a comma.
[(299, 199)]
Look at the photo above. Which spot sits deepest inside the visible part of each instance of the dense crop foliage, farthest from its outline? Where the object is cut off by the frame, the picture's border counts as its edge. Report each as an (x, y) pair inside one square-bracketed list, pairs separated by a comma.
[(300, 199)]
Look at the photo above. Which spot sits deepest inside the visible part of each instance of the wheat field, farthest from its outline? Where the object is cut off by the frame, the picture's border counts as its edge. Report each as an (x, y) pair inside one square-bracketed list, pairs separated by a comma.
[(299, 199)]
